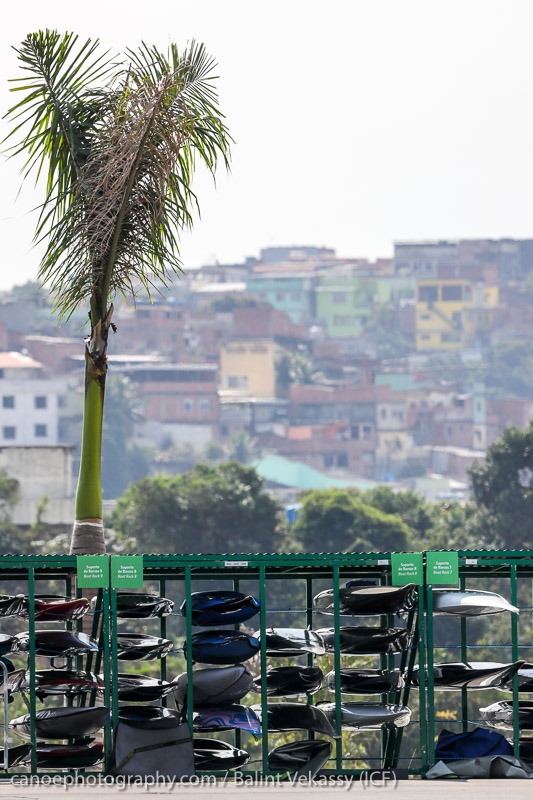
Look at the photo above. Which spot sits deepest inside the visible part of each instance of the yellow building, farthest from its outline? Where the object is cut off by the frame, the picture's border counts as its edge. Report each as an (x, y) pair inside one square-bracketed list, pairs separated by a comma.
[(450, 314), (248, 367)]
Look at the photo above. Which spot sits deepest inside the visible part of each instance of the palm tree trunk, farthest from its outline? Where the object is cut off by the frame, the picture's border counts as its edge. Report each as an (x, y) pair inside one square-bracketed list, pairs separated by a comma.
[(88, 530)]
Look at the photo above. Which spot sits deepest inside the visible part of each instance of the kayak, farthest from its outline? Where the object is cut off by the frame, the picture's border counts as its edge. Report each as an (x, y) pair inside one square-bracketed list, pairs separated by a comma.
[(368, 716), (50, 608), (290, 681), (469, 603), (54, 643), (292, 642), (142, 647), (367, 598), (525, 679), (16, 755), (367, 640), (149, 717), (141, 688), (63, 682), (69, 756), (11, 604), (214, 754), (501, 715), (142, 606), (303, 757), (228, 717), (9, 644), (365, 681), (298, 716), (214, 686), (62, 723), (480, 675), (220, 607), (222, 647)]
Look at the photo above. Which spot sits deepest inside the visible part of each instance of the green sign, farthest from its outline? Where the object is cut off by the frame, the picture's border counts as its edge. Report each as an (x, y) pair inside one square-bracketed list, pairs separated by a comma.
[(442, 567), (407, 568), (93, 572), (127, 572)]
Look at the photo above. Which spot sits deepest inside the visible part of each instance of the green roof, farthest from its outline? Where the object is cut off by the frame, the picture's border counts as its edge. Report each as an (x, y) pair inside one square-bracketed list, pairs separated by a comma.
[(296, 475)]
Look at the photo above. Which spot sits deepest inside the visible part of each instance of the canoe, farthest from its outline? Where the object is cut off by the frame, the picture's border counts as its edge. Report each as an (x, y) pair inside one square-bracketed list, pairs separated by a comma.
[(297, 716), (149, 717), (469, 603), (141, 688), (224, 718), (365, 681), (501, 715), (142, 606), (367, 640), (16, 755), (220, 607), (222, 647), (292, 642), (9, 644), (213, 755), (304, 758), (69, 756), (62, 723), (363, 598), (368, 716), (51, 608), (474, 675), (57, 643), (290, 681), (214, 686), (63, 682), (11, 604), (525, 679), (142, 647)]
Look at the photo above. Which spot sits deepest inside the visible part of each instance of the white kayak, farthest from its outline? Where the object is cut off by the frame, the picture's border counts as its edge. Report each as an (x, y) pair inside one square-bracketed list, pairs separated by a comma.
[(469, 603)]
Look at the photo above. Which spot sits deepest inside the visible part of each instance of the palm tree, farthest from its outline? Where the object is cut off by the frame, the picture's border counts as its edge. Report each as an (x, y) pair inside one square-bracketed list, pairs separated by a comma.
[(116, 141)]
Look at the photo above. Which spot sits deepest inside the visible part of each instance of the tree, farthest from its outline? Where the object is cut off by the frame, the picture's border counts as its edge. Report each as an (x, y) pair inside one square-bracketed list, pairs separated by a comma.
[(222, 509), (337, 520), (502, 488), (117, 141), (412, 509)]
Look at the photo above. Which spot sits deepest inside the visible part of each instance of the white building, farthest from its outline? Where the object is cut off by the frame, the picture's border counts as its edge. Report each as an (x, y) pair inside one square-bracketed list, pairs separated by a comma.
[(29, 402)]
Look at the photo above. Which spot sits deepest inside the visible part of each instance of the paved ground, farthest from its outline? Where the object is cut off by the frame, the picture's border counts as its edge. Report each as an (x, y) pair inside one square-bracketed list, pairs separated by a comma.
[(454, 789)]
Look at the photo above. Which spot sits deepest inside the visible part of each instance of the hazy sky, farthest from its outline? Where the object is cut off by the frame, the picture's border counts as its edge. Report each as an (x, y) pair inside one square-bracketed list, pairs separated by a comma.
[(357, 122)]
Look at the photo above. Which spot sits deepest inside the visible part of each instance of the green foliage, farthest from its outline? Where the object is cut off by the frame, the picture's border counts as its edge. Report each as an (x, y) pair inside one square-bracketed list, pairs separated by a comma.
[(412, 509), (502, 488), (509, 369), (222, 509), (337, 520)]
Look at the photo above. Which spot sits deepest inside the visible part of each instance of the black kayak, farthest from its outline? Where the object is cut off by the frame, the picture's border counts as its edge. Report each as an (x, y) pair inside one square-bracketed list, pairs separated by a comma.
[(9, 644), (304, 758), (481, 675), (298, 716), (66, 682), (365, 681), (57, 643), (142, 606), (367, 640), (149, 717), (525, 679), (290, 681), (214, 686), (69, 756), (367, 598), (53, 608), (220, 607), (213, 755), (228, 717), (284, 642), (62, 723), (141, 688), (142, 647), (368, 716), (222, 647), (16, 755)]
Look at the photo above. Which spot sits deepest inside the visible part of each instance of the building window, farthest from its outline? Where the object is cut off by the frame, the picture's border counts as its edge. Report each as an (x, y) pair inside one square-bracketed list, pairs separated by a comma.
[(354, 431), (188, 404), (62, 401), (342, 460), (205, 404), (452, 293), (40, 431), (328, 461), (237, 381), (40, 401), (8, 401), (428, 294), (367, 432), (9, 432)]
